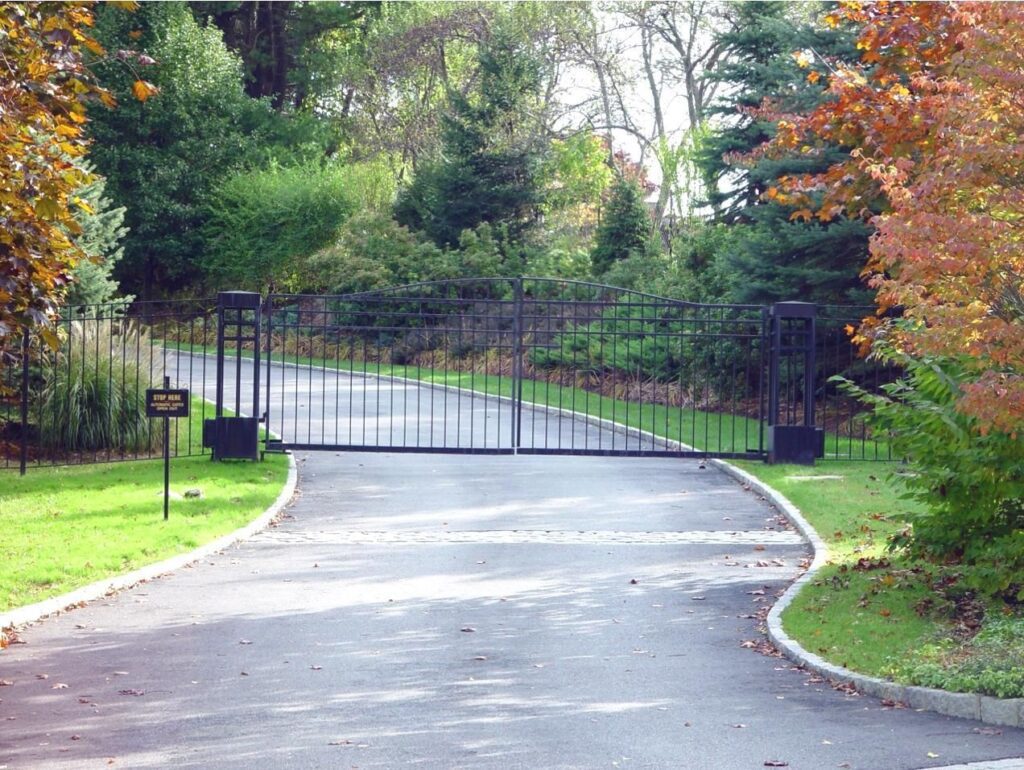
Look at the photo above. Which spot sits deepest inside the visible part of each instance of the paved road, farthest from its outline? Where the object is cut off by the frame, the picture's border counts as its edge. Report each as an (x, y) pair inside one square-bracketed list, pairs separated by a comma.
[(463, 612)]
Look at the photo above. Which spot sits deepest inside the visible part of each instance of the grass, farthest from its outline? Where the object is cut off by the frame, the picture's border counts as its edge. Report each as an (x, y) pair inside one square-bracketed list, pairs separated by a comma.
[(880, 612), (65, 527)]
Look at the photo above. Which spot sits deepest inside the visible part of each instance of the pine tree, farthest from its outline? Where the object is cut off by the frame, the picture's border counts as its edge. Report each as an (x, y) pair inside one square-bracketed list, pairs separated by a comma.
[(771, 257), (487, 171), (625, 228), (102, 231)]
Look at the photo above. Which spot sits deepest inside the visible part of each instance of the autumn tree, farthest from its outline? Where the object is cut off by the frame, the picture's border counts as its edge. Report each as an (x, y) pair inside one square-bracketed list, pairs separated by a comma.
[(43, 96), (934, 114)]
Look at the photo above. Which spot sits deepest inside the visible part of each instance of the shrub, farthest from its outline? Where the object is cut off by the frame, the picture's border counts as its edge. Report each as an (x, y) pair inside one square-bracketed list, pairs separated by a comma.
[(372, 251), (94, 392), (988, 663), (970, 481), (265, 223)]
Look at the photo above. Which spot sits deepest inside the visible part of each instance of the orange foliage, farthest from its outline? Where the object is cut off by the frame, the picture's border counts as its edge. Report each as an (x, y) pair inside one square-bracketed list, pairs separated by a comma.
[(934, 114), (43, 95)]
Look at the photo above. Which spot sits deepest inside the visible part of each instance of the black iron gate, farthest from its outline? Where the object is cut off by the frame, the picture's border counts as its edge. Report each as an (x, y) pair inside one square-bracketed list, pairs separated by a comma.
[(524, 365)]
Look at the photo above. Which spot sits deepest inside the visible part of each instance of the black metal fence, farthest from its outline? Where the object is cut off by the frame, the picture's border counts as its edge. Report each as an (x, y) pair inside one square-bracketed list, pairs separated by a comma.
[(78, 396), (527, 365), (534, 366)]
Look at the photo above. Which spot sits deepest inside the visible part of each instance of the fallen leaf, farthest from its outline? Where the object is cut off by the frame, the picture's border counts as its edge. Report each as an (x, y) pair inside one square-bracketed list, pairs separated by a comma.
[(480, 657), (76, 737), (467, 629), (987, 731), (316, 668), (775, 763), (758, 547), (244, 641), (739, 725)]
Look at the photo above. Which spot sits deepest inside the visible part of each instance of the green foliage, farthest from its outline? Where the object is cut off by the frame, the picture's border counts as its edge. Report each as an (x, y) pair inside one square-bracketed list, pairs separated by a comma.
[(644, 338), (264, 223), (164, 156), (625, 229), (970, 482), (487, 170), (771, 258), (102, 231), (372, 251), (559, 260), (94, 395), (988, 663)]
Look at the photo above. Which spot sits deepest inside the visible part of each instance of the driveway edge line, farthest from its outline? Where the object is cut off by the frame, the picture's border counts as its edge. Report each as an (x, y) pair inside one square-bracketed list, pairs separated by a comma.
[(33, 613), (1007, 712)]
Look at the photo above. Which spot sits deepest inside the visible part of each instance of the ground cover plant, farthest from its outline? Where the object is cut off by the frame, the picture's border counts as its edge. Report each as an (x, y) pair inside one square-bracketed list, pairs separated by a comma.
[(66, 527), (889, 612)]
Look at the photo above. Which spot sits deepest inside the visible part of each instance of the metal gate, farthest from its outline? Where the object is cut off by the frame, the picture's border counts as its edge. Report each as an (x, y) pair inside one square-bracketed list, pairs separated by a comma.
[(528, 366)]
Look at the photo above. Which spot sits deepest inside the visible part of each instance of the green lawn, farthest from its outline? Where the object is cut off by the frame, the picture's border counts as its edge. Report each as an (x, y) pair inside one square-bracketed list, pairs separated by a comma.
[(879, 612), (65, 527)]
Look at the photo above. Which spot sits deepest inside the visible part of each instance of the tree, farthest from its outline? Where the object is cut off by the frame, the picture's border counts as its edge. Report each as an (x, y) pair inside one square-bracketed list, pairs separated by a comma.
[(102, 229), (934, 116), (487, 172), (281, 43), (772, 257), (43, 96), (625, 229), (163, 157)]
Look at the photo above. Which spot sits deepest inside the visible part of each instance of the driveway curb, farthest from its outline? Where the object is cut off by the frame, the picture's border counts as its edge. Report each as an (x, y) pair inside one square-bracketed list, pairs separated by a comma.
[(32, 613), (1007, 712)]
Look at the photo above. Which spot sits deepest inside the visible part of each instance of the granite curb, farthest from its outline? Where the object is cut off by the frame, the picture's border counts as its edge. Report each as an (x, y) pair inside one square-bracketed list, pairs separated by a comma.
[(1006, 712), (33, 613)]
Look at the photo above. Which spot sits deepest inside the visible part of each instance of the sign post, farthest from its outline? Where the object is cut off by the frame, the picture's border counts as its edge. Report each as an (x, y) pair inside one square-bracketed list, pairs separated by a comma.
[(167, 403)]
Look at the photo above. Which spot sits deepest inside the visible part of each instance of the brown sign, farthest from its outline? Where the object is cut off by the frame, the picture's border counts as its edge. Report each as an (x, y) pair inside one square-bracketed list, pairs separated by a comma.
[(166, 403)]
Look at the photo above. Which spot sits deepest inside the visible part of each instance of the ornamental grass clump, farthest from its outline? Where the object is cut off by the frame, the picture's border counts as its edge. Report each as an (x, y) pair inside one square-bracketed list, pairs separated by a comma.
[(94, 392)]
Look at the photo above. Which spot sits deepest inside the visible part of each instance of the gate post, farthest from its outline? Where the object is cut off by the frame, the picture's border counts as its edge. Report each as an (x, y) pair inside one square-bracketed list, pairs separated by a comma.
[(517, 362), (237, 436), (792, 437), (23, 434)]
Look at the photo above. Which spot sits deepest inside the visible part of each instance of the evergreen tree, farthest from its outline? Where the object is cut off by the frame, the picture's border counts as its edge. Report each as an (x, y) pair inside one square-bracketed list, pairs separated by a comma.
[(487, 172), (163, 157), (771, 257), (625, 228), (102, 231)]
